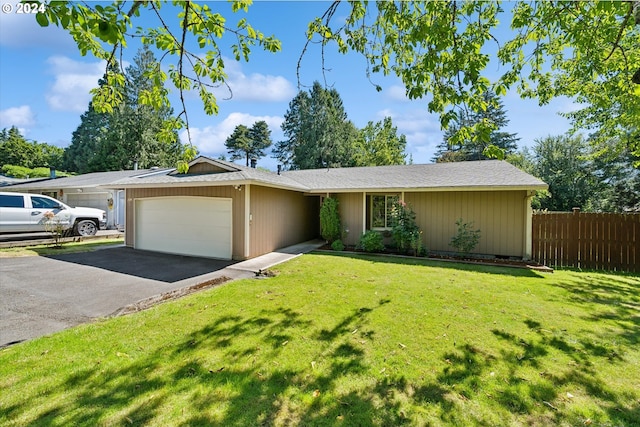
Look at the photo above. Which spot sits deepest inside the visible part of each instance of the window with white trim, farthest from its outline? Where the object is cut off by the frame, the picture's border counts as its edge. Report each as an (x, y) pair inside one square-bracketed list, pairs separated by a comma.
[(381, 209)]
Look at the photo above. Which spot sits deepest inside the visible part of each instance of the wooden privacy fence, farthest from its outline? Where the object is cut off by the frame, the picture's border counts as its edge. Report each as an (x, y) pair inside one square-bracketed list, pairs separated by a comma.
[(599, 241)]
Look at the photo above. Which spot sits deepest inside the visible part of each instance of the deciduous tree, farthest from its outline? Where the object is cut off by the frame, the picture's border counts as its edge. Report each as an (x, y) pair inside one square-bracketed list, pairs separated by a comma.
[(563, 163), (379, 144), (16, 150), (586, 50)]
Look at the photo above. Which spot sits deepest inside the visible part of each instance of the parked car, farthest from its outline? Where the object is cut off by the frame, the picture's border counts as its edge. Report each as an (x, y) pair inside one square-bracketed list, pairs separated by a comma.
[(24, 213)]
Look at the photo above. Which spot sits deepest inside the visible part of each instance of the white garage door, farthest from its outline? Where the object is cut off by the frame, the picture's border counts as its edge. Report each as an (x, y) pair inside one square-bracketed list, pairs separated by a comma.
[(198, 226), (88, 200)]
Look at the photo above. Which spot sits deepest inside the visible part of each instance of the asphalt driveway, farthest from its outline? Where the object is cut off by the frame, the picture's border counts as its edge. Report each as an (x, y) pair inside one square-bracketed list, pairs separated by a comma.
[(41, 295)]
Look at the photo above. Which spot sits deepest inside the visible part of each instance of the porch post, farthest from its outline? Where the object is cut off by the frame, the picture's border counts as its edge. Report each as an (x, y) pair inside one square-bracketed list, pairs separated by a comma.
[(528, 226), (247, 220), (364, 212)]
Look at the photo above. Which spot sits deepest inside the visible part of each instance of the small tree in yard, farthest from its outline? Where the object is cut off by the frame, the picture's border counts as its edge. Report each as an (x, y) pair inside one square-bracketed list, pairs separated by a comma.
[(330, 228), (405, 232), (466, 239), (55, 228)]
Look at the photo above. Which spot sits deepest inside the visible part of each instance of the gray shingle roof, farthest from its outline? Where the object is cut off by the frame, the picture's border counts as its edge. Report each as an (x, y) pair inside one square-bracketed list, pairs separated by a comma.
[(94, 179), (486, 174), (237, 175)]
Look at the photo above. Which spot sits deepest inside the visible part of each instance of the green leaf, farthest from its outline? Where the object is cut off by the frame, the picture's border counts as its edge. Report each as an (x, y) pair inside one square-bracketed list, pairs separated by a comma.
[(42, 20)]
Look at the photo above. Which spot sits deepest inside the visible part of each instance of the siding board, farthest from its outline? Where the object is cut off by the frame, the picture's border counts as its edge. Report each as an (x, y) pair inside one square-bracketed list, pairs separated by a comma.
[(281, 218), (498, 215)]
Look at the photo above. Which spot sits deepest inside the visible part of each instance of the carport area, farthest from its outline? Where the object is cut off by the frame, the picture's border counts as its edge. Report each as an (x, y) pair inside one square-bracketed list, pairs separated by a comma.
[(42, 295)]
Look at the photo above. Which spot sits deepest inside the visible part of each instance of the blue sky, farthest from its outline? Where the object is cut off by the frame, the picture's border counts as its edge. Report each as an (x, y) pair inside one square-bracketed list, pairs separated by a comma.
[(45, 83)]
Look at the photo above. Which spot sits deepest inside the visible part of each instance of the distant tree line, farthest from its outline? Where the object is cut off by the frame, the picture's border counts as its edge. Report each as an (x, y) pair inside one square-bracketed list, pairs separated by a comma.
[(581, 172), (587, 173), (319, 134)]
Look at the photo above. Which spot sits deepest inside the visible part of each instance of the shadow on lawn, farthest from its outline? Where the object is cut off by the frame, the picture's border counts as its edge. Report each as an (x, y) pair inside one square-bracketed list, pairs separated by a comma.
[(406, 260), (208, 379), (609, 298)]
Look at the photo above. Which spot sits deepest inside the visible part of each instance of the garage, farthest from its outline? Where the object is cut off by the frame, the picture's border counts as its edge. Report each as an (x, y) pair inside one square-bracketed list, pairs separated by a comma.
[(88, 200), (198, 226)]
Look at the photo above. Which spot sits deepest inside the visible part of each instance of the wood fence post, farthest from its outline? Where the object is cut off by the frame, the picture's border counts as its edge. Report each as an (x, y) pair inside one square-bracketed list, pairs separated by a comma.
[(574, 241)]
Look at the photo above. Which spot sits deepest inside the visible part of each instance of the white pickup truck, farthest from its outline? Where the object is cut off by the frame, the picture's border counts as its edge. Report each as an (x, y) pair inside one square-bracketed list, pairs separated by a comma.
[(24, 213)]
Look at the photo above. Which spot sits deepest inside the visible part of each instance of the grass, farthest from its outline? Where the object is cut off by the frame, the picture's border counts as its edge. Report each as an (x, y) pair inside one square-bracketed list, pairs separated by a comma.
[(48, 249), (348, 340)]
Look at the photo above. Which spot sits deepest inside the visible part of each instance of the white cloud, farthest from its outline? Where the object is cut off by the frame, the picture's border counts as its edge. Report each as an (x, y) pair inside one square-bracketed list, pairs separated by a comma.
[(210, 140), (255, 87), (19, 117), (397, 93), (423, 146), (73, 81), (421, 129), (411, 121), (22, 31)]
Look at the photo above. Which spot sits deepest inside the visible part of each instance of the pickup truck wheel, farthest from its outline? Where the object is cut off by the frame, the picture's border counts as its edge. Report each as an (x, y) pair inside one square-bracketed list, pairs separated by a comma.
[(86, 228)]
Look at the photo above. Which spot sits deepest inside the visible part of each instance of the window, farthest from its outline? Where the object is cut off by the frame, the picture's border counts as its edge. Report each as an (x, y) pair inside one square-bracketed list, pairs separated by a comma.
[(44, 203), (7, 201), (381, 208)]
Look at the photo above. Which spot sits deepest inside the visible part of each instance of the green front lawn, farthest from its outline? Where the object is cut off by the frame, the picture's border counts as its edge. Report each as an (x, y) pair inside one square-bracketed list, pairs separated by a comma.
[(66, 248), (348, 340)]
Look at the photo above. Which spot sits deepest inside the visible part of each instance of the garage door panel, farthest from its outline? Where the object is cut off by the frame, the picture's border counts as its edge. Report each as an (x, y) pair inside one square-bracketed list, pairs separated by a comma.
[(199, 226)]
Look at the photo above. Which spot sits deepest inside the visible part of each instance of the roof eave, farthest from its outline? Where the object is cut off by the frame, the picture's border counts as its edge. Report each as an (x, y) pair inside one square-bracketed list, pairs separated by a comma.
[(209, 184), (431, 189)]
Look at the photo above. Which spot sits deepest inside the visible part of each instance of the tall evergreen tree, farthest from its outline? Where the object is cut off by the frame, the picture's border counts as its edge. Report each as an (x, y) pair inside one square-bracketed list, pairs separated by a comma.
[(128, 135), (249, 143), (318, 131), (460, 144), (83, 153), (239, 143)]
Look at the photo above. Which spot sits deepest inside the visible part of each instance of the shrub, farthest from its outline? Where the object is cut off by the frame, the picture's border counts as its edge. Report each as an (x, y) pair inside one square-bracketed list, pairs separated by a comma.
[(405, 232), (371, 241), (466, 239), (337, 245), (22, 172), (330, 228), (54, 226)]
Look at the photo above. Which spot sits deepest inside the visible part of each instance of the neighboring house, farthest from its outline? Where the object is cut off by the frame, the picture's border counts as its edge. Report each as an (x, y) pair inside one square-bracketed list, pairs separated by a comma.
[(89, 190), (7, 180), (224, 210)]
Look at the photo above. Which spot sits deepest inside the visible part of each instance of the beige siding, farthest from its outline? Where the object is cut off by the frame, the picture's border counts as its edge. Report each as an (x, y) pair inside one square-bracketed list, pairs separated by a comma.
[(281, 218), (500, 216), (226, 191), (350, 206), (205, 167)]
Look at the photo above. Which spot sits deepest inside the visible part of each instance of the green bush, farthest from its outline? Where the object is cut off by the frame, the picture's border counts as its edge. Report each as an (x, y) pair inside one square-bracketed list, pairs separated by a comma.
[(405, 232), (337, 245), (330, 228), (371, 241), (21, 172), (466, 239)]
